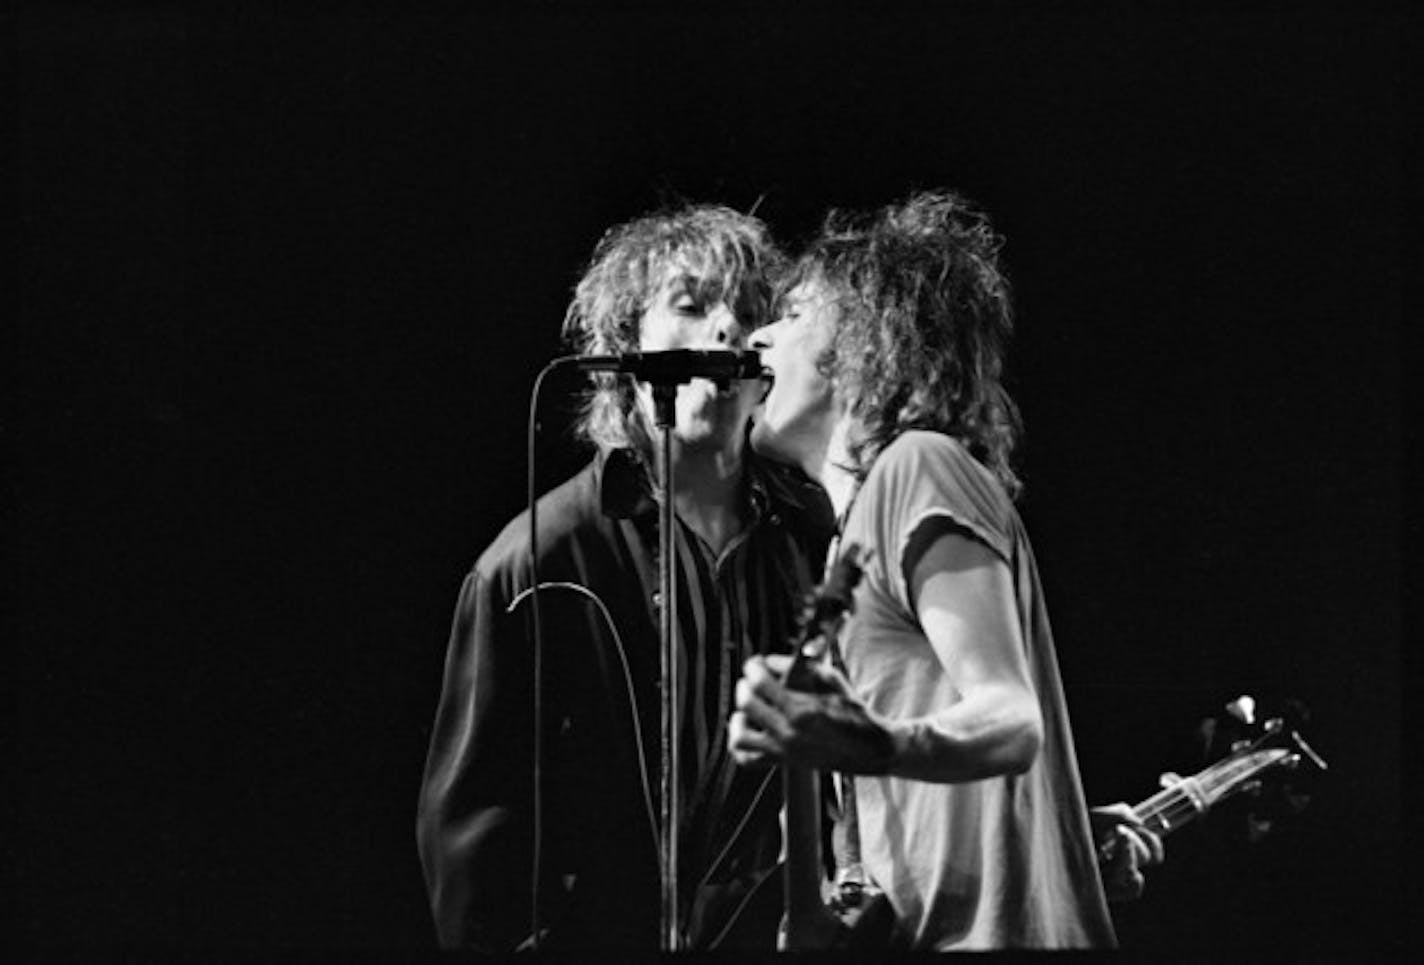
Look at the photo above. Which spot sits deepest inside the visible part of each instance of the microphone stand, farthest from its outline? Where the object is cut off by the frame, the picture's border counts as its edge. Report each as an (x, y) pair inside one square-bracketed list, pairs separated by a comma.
[(664, 383), (665, 416), (664, 372)]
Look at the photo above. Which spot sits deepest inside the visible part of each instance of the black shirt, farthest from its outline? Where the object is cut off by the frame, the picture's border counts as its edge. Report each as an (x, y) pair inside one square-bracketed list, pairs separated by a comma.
[(600, 710)]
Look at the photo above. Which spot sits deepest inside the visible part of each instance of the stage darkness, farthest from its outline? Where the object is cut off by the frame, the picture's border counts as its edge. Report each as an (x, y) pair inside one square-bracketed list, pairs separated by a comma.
[(285, 281)]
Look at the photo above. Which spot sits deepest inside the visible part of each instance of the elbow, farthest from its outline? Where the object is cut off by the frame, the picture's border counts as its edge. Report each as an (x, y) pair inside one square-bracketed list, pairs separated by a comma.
[(1021, 750)]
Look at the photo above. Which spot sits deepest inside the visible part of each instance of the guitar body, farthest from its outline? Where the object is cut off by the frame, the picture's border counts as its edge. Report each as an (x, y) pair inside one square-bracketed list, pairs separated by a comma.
[(759, 916), (870, 926), (807, 923)]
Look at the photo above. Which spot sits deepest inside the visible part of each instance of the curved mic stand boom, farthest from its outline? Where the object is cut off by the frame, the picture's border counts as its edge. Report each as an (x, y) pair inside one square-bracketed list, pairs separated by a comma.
[(664, 371)]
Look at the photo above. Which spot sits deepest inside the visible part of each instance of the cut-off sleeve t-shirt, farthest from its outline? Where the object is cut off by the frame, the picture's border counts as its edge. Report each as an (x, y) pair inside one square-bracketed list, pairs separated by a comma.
[(996, 863)]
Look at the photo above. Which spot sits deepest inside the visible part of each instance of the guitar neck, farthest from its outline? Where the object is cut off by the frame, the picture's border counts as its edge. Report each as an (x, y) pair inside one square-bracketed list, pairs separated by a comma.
[(807, 922), (802, 797), (1188, 798), (803, 839)]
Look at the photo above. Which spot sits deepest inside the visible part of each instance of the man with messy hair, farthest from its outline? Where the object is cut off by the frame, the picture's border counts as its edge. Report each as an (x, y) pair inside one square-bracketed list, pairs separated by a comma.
[(749, 542), (887, 355)]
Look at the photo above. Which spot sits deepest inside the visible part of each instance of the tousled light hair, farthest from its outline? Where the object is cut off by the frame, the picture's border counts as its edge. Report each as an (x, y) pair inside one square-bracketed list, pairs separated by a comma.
[(925, 319), (728, 255)]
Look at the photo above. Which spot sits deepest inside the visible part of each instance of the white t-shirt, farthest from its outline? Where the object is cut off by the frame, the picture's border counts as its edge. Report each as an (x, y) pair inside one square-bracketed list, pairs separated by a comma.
[(1003, 862)]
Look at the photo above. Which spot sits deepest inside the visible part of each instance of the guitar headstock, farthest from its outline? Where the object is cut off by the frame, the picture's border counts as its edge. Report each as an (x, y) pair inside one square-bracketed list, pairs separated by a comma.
[(834, 598), (1266, 766), (823, 610)]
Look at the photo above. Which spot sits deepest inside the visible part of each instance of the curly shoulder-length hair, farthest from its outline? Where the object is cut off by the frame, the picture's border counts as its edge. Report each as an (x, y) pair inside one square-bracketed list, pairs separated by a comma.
[(925, 319), (726, 255)]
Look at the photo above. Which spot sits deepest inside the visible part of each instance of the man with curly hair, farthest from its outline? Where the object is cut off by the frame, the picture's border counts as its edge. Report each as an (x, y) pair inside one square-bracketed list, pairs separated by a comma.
[(749, 542), (888, 355)]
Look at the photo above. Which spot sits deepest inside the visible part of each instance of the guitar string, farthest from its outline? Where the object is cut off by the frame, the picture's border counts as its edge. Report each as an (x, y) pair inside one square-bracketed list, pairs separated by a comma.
[(1176, 805)]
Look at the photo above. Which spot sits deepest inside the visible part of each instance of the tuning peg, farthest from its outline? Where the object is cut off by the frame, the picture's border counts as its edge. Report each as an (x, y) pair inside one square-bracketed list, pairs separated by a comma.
[(1243, 708), (1169, 779)]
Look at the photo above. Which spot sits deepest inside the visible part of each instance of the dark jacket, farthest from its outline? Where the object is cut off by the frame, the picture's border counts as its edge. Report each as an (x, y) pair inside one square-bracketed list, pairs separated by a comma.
[(597, 549)]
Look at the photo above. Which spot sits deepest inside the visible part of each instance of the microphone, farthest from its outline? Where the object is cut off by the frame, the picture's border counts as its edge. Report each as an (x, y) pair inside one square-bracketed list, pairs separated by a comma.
[(675, 365)]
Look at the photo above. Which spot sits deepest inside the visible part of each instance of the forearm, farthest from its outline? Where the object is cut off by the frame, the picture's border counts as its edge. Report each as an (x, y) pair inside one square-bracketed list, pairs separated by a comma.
[(995, 730)]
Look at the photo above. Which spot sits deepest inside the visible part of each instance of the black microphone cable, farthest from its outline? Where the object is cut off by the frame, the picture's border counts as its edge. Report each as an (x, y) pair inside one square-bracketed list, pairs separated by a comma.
[(531, 497), (532, 501)]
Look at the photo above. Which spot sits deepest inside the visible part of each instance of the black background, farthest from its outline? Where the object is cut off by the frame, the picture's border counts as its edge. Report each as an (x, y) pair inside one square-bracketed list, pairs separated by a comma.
[(285, 280)]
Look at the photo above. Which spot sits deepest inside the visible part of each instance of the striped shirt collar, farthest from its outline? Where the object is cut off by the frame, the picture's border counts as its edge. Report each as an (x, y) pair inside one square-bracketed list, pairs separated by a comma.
[(626, 488)]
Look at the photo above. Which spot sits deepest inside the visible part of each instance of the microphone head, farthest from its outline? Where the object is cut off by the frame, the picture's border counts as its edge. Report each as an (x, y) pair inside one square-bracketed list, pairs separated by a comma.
[(749, 364), (674, 366), (726, 365)]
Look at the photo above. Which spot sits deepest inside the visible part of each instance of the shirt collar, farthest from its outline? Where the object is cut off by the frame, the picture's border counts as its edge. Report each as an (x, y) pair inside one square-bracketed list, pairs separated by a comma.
[(626, 488), (625, 483)]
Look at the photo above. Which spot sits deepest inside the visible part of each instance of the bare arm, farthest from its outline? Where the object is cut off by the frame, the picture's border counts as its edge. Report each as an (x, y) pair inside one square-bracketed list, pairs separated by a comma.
[(963, 597)]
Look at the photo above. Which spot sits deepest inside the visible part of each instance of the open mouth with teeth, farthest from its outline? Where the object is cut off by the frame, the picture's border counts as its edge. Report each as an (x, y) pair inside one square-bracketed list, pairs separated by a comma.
[(768, 379), (726, 388)]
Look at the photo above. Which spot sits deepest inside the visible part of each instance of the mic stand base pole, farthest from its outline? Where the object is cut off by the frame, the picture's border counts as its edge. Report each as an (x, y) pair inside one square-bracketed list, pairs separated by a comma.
[(664, 401)]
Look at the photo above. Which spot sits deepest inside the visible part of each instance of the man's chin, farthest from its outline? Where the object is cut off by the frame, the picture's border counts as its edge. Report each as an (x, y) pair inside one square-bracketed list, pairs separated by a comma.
[(709, 435), (765, 442)]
